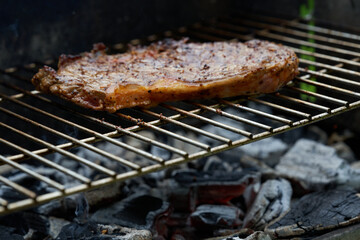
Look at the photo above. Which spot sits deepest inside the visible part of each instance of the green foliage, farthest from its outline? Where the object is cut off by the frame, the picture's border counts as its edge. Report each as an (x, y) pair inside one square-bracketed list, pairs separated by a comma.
[(306, 11)]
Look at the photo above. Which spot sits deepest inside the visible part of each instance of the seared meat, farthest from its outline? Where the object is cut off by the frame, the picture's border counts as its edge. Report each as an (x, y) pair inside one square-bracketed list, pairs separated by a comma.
[(168, 71)]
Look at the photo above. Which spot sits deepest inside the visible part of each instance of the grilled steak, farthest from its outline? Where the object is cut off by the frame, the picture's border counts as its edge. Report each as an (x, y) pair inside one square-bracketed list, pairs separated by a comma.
[(168, 71)]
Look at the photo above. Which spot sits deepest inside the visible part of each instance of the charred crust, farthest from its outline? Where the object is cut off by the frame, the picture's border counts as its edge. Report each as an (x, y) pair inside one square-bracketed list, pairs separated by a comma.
[(67, 59), (44, 79), (98, 47)]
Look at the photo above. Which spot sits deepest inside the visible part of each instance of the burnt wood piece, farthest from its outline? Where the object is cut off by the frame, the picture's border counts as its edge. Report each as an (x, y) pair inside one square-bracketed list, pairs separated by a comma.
[(272, 201), (318, 213), (244, 234), (9, 233), (348, 233)]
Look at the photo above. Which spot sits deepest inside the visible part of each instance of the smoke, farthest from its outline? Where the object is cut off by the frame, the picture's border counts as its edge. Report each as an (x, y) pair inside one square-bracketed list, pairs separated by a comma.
[(82, 209)]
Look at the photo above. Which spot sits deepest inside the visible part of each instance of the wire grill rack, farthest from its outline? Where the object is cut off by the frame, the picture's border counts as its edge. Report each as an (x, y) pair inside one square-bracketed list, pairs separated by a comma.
[(35, 127)]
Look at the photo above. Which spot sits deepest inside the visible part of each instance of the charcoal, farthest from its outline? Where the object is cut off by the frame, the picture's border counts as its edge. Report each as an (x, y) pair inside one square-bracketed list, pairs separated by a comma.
[(290, 137), (137, 211), (56, 175), (66, 207), (160, 152), (29, 182), (10, 194), (206, 216), (35, 185), (236, 124), (183, 145), (344, 151), (55, 226), (214, 163), (104, 195), (222, 232), (216, 187), (221, 131), (9, 233), (314, 167), (317, 213), (15, 220), (63, 208), (347, 233), (272, 200), (356, 165), (244, 234), (183, 199), (250, 162), (316, 134), (268, 149), (258, 236), (38, 223), (94, 231), (189, 177)]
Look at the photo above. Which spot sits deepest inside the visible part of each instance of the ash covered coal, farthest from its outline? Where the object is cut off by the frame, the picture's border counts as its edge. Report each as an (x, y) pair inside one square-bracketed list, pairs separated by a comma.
[(314, 166), (272, 201)]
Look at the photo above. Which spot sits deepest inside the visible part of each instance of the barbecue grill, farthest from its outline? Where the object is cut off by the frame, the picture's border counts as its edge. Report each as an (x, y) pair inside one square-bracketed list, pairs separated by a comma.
[(35, 126)]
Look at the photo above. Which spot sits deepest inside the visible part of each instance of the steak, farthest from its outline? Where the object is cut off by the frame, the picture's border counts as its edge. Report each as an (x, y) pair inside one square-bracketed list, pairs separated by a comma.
[(168, 70)]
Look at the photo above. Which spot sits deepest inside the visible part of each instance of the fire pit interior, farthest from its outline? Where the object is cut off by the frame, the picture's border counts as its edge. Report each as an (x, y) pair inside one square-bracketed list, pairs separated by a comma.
[(282, 165)]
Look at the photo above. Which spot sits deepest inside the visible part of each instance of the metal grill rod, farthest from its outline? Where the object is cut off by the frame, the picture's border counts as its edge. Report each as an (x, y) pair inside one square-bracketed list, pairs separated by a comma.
[(335, 68), (260, 32), (231, 116), (297, 24), (312, 105), (137, 136), (117, 128), (42, 159), (297, 50), (322, 96), (3, 202), (270, 116), (18, 188), (282, 29), (174, 135), (266, 33), (282, 108), (39, 177), (333, 88), (305, 119), (90, 147), (98, 167), (186, 126), (98, 135), (207, 120), (354, 62), (339, 79)]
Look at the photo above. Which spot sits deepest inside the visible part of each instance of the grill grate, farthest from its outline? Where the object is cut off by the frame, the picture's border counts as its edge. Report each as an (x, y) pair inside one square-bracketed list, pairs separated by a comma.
[(39, 129)]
